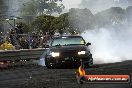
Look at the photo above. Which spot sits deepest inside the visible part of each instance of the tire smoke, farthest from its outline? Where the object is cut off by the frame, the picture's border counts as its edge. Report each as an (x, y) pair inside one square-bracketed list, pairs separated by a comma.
[(110, 45)]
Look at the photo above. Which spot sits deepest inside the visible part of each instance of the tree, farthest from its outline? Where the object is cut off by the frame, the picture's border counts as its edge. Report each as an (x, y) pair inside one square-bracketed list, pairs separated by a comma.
[(47, 23), (49, 6), (41, 7), (61, 22), (81, 19), (111, 17), (71, 22), (44, 23), (24, 26)]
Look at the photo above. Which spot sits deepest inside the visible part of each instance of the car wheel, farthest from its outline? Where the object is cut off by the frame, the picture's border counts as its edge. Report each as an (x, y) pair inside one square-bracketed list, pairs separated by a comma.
[(47, 64), (91, 62), (88, 64)]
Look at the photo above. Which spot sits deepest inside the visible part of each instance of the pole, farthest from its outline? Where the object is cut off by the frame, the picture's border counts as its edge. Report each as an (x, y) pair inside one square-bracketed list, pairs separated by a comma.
[(16, 43), (14, 23)]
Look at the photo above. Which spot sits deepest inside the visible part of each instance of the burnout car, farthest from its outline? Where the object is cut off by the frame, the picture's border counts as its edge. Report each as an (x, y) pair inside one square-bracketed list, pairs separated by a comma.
[(68, 51)]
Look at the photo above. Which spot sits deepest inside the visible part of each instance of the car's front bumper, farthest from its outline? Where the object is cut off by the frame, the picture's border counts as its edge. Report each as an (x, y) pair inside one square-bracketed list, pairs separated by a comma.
[(68, 60)]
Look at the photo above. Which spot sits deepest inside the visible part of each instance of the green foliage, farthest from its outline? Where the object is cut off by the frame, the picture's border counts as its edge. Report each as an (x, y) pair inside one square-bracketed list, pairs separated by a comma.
[(24, 26), (50, 24), (49, 6), (79, 20), (47, 23), (41, 7), (74, 21), (44, 23), (62, 22)]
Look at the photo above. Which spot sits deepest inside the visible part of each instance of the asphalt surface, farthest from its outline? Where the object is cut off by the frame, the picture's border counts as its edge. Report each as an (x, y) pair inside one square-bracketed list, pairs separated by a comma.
[(41, 77)]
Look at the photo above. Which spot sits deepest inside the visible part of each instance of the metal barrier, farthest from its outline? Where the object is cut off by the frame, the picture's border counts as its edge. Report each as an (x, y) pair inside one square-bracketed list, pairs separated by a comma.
[(21, 55)]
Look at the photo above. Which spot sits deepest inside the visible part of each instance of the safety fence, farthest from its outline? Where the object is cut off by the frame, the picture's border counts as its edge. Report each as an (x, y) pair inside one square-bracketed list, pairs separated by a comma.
[(20, 56)]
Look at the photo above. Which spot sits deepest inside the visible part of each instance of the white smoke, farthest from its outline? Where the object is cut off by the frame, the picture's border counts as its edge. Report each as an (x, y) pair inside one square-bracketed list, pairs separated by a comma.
[(110, 45), (99, 5), (71, 3)]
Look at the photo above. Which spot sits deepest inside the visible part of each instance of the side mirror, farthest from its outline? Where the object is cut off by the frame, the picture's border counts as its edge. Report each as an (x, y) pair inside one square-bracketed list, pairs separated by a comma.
[(88, 44)]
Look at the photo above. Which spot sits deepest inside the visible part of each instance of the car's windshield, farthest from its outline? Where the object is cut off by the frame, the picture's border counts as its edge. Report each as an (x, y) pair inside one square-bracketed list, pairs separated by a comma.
[(68, 41)]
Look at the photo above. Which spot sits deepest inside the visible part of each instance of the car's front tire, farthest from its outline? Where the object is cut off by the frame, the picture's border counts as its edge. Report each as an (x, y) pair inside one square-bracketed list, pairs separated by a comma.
[(88, 64), (91, 62), (47, 64)]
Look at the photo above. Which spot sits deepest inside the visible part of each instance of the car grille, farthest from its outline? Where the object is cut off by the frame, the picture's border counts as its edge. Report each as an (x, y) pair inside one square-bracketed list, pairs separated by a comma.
[(69, 53)]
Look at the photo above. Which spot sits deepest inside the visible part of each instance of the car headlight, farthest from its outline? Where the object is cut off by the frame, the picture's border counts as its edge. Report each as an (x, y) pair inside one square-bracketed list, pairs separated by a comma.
[(55, 54), (81, 52)]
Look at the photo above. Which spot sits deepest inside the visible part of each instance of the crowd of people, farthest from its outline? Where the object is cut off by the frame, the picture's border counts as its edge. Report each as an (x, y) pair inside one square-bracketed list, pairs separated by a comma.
[(21, 40)]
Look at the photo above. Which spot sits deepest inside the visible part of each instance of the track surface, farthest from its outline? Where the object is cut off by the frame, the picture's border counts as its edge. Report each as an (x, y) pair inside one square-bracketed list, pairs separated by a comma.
[(41, 77)]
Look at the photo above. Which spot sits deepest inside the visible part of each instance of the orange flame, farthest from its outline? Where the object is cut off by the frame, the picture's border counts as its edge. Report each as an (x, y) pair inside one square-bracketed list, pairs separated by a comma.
[(81, 71)]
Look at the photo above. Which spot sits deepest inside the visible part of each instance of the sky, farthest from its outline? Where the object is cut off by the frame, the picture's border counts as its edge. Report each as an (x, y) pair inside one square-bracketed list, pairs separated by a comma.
[(96, 5), (71, 3)]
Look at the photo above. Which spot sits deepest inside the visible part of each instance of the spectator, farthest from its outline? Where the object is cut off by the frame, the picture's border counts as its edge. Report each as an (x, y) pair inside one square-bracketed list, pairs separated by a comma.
[(24, 43)]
